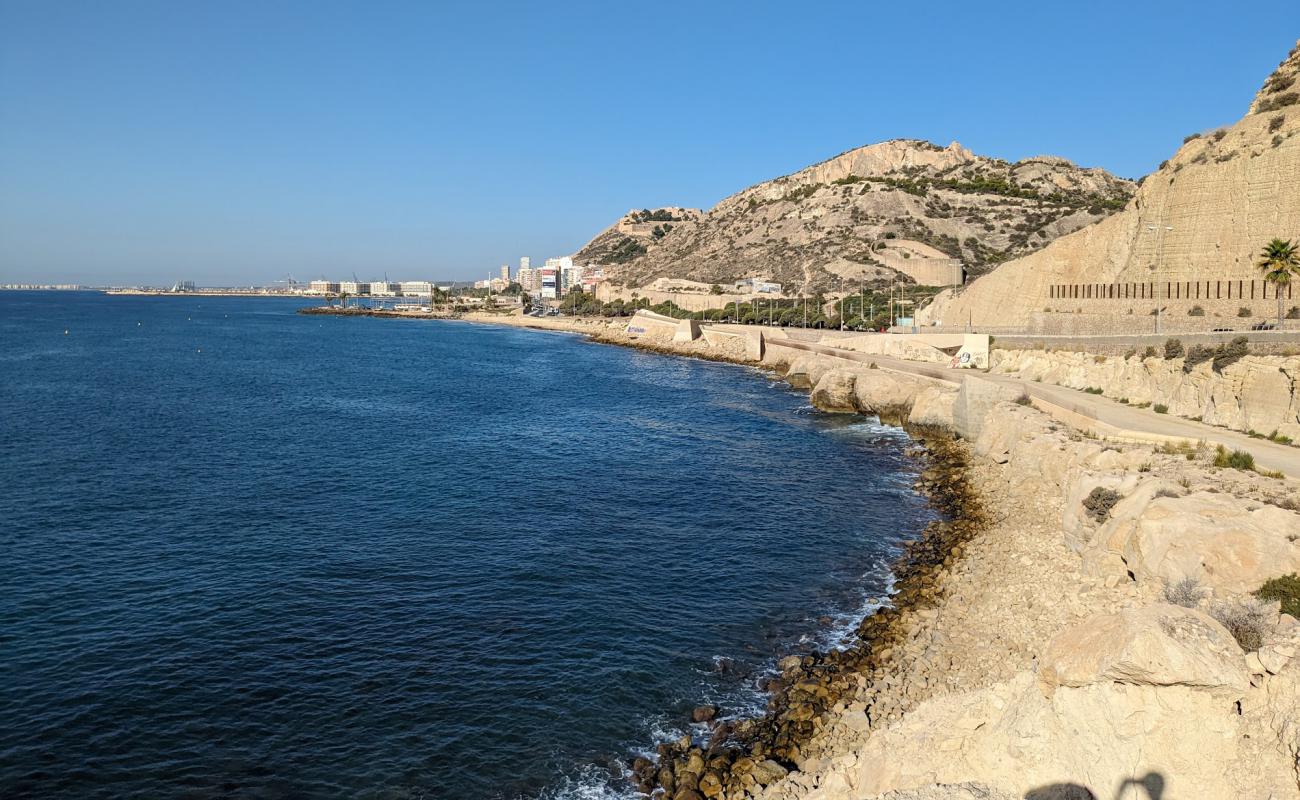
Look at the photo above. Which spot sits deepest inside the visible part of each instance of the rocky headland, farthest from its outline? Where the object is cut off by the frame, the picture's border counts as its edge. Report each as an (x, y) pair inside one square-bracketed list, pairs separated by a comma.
[(903, 208)]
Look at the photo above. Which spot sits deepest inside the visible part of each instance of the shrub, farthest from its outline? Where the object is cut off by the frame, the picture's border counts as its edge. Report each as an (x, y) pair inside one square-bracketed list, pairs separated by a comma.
[(1279, 101), (1191, 137), (1237, 459), (1293, 313), (1186, 593), (1196, 355), (1231, 353), (1246, 621), (1196, 311), (1160, 408), (1275, 124), (1279, 438), (1173, 348), (1286, 589), (1023, 400), (1099, 502), (1150, 352), (1218, 135), (1243, 312), (1093, 390)]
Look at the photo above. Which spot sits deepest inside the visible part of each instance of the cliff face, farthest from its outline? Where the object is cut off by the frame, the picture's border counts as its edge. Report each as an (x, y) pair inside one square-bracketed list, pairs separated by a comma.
[(901, 206), (1203, 216)]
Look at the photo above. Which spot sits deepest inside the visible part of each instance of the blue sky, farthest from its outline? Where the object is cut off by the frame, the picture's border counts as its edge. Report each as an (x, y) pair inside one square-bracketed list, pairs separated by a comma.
[(236, 142)]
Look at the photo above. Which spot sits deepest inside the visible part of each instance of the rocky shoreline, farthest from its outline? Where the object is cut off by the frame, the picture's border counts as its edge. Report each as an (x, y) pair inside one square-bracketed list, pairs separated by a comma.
[(1082, 623)]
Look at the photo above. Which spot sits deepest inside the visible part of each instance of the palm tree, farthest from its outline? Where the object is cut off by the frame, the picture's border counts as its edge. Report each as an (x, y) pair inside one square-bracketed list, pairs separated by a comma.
[(1279, 261)]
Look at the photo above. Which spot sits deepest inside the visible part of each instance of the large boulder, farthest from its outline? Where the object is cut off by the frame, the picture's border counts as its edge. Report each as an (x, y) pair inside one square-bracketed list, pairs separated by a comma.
[(834, 392), (1204, 536), (933, 406), (1158, 645), (880, 391)]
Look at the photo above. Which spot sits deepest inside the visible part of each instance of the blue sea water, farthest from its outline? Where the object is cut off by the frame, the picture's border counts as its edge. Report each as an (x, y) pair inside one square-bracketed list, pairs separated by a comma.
[(249, 553)]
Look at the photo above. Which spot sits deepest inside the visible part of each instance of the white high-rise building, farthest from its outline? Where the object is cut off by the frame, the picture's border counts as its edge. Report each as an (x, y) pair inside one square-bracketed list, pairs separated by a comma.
[(505, 273), (528, 279), (525, 262)]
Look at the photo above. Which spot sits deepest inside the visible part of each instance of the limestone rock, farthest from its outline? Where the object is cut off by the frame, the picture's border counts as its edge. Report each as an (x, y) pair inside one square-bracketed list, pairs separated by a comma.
[(1159, 645), (835, 391), (1205, 536), (933, 406)]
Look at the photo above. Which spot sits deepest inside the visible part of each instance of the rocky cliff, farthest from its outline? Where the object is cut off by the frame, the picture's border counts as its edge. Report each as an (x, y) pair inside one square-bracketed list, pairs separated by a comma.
[(899, 207), (1202, 217)]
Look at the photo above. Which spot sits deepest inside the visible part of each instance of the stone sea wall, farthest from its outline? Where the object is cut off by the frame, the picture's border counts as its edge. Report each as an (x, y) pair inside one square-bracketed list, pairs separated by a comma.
[(1257, 393)]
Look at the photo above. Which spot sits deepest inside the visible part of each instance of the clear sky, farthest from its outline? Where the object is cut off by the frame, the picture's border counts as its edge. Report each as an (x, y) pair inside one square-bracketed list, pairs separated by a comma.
[(236, 142)]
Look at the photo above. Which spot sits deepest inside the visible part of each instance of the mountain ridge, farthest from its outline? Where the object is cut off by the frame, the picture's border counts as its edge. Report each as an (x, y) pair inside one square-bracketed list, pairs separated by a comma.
[(899, 209)]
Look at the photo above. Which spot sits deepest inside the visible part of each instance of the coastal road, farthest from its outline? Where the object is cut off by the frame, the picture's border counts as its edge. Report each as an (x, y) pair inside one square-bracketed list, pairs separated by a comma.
[(1125, 420)]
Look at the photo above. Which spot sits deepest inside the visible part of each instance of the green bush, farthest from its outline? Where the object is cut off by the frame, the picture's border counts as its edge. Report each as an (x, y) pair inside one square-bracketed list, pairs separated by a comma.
[(1198, 354), (1275, 124), (1196, 311), (1231, 353), (1160, 408), (1094, 390), (1243, 312), (1293, 313), (1286, 589), (1237, 459), (1173, 348), (1150, 352)]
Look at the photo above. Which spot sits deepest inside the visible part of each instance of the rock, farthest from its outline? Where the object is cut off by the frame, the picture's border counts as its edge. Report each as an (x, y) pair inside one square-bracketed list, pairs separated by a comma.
[(933, 406), (768, 771), (704, 713), (834, 392), (878, 391), (1159, 645), (1274, 657), (1205, 536)]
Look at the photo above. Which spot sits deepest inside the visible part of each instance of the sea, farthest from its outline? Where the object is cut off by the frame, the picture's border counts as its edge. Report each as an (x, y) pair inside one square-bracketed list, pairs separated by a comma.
[(249, 553)]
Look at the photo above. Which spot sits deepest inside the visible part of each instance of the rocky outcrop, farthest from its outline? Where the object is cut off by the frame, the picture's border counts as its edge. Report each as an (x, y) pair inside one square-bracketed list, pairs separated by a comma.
[(1158, 645), (1256, 393), (1202, 216), (809, 229), (1164, 536)]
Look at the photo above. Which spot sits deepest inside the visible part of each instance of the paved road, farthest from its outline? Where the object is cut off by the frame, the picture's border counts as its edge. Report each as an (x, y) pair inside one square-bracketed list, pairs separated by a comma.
[(1268, 455)]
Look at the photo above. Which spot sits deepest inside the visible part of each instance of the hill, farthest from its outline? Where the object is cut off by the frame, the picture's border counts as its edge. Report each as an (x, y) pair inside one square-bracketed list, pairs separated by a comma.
[(1186, 244), (905, 207)]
